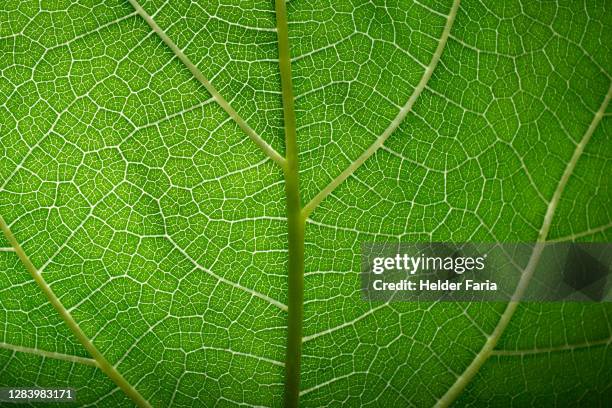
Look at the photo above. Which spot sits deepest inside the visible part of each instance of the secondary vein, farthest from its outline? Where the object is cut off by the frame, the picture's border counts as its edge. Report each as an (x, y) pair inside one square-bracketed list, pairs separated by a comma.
[(220, 278), (259, 141), (50, 354), (102, 362), (308, 208), (554, 349), (464, 379)]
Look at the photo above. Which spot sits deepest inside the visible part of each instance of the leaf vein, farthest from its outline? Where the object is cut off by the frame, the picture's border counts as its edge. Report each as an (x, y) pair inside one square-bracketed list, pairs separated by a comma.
[(252, 292), (465, 378), (74, 327), (346, 173), (50, 354), (555, 349), (259, 141)]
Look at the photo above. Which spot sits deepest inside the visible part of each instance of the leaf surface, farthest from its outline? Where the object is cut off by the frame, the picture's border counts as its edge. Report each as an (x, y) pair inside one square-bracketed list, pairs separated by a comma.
[(161, 226)]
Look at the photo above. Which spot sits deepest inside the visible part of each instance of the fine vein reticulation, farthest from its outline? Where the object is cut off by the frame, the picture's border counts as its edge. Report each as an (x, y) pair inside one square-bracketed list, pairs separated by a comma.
[(265, 147), (101, 361), (404, 111), (297, 218), (464, 379)]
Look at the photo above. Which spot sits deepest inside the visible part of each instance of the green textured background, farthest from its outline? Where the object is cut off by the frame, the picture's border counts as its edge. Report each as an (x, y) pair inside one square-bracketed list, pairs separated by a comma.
[(154, 218)]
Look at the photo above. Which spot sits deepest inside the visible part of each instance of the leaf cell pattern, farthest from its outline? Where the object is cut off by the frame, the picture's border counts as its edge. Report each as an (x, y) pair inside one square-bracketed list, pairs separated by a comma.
[(141, 171)]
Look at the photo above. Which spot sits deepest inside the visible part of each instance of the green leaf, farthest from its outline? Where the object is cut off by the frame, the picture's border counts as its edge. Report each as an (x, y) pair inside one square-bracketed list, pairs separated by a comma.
[(157, 237)]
